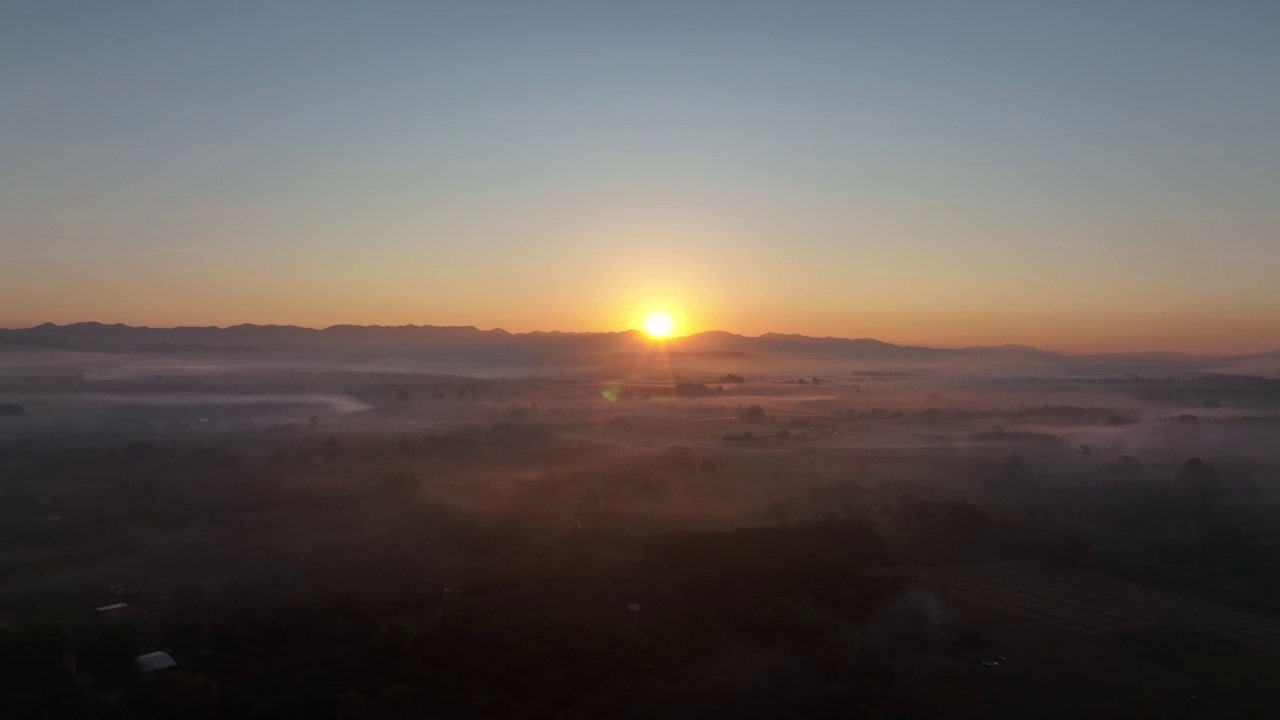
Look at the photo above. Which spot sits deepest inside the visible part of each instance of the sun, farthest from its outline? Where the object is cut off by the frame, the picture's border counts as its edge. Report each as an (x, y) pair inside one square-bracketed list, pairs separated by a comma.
[(658, 325)]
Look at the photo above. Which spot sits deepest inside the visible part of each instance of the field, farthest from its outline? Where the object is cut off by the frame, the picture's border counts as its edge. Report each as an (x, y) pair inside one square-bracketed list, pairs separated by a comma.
[(799, 539)]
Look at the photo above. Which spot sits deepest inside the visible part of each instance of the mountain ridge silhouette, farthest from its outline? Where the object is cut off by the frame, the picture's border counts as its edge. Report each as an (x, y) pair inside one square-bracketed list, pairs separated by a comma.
[(118, 337)]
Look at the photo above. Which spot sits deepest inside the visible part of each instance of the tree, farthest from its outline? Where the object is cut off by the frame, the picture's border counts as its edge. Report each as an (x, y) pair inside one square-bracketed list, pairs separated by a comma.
[(693, 390), (394, 639), (1200, 485), (187, 695), (401, 483), (1072, 550), (1126, 469), (332, 446), (397, 700), (352, 706), (950, 530), (1010, 477), (107, 655), (33, 682), (679, 458)]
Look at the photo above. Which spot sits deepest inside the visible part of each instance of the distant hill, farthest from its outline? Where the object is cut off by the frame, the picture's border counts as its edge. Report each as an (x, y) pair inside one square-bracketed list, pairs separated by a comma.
[(468, 341), (1008, 350), (98, 337)]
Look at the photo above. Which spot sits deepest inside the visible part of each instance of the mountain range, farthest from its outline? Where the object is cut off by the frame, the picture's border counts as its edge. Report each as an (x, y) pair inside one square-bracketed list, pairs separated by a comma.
[(118, 338)]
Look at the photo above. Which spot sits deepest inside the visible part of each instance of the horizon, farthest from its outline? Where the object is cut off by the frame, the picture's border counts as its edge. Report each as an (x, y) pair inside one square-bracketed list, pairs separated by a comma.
[(641, 332)]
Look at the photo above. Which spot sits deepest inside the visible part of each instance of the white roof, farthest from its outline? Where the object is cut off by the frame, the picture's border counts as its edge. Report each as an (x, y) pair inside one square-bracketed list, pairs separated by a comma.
[(152, 661)]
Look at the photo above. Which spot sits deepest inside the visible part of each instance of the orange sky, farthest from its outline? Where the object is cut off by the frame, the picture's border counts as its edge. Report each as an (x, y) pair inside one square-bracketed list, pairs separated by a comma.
[(1062, 331)]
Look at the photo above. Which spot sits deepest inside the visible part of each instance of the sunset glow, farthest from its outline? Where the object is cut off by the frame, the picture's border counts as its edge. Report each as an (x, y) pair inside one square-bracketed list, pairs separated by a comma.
[(464, 176), (659, 325)]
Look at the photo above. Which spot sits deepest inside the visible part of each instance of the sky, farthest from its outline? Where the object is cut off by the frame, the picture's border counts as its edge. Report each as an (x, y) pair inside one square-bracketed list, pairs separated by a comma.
[(1078, 176)]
